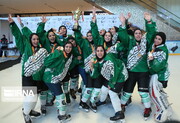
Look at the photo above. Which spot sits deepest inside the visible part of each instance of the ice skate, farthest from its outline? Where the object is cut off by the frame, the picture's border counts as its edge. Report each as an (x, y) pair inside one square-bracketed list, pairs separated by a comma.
[(93, 107), (118, 117), (83, 105), (64, 118), (79, 90), (27, 118), (49, 103), (43, 109), (100, 103), (34, 114), (147, 113)]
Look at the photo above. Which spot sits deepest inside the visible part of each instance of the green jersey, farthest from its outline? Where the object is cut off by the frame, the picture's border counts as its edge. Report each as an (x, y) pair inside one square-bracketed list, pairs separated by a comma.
[(137, 50), (159, 64), (111, 69)]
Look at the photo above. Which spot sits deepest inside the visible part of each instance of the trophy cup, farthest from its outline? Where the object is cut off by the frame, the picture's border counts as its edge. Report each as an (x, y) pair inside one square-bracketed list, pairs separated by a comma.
[(76, 16)]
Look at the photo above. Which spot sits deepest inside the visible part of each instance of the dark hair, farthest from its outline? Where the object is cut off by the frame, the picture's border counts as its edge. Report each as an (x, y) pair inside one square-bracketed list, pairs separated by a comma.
[(30, 37), (130, 32), (70, 38), (116, 28), (61, 27), (163, 36), (67, 42), (110, 34), (64, 27), (99, 59), (137, 28), (128, 26), (89, 32), (51, 30)]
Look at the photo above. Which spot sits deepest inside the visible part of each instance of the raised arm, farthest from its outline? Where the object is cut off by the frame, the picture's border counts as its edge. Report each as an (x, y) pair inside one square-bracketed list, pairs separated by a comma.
[(78, 37), (127, 20), (122, 33), (40, 30), (97, 38), (17, 34), (25, 30), (150, 28)]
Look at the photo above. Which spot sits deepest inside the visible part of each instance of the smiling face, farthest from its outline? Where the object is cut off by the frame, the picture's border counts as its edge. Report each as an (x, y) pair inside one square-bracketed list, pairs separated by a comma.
[(51, 37), (138, 35), (35, 40), (68, 48), (89, 37), (113, 30), (63, 30), (157, 40), (100, 52), (72, 41), (107, 37)]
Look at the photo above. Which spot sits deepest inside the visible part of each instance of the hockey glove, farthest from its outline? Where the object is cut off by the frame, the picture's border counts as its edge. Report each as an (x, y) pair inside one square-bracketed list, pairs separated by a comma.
[(164, 83)]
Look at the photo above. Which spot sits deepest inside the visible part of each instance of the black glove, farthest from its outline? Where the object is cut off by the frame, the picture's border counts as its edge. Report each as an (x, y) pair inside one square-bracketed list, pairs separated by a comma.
[(164, 83)]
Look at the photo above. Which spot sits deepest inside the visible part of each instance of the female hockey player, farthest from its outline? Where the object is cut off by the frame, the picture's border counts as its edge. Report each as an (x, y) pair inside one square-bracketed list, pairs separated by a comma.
[(32, 62), (57, 65), (158, 67), (115, 73), (42, 88), (137, 61)]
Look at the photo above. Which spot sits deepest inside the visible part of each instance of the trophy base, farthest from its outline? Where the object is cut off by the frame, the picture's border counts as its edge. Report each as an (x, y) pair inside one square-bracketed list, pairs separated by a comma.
[(75, 28)]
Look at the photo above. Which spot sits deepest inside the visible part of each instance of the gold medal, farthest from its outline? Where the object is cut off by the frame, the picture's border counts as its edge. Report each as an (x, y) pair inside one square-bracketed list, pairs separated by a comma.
[(139, 55), (150, 54)]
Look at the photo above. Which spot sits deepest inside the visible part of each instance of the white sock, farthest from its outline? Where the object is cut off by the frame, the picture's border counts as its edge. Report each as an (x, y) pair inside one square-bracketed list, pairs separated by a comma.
[(104, 93), (145, 99), (29, 104), (115, 101)]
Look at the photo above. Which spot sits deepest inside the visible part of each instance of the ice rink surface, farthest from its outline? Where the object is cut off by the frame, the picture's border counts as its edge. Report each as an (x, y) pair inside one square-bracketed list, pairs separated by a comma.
[(11, 112)]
